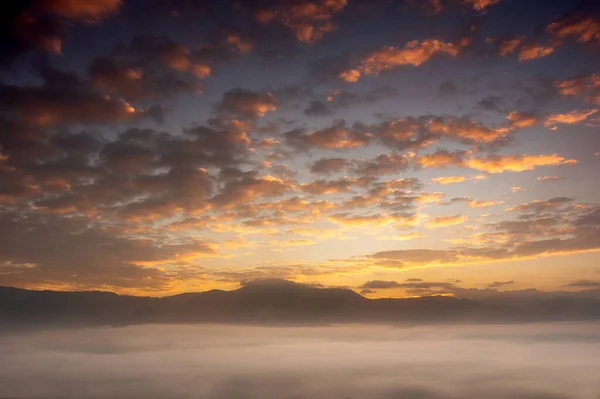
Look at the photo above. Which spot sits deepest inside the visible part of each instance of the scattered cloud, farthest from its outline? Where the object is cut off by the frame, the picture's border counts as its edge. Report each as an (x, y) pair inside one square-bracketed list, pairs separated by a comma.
[(446, 221)]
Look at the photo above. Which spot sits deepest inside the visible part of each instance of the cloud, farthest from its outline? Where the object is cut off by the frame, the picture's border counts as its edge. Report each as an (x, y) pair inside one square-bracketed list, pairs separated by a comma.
[(336, 137), (247, 188), (548, 178), (317, 108), (153, 67), (509, 45), (582, 28), (99, 258), (64, 98), (465, 129), (497, 284), (447, 89), (309, 20), (43, 25), (342, 185), (84, 10), (457, 179), (515, 163), (481, 5), (446, 221), (407, 236), (321, 354), (379, 284), (246, 104), (417, 256), (538, 206), (414, 53), (476, 203), (533, 51), (340, 99), (441, 159), (449, 179), (588, 284), (382, 164), (567, 232), (586, 85), (569, 118), (327, 166), (350, 220), (522, 119)]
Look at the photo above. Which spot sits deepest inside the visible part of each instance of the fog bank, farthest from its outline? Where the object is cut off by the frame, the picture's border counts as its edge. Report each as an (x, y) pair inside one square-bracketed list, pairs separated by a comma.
[(533, 361)]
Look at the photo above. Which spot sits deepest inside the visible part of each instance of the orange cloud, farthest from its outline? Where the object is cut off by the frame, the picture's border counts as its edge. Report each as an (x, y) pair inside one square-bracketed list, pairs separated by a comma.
[(584, 29), (336, 137), (521, 119), (571, 87), (406, 236), (515, 163), (83, 10), (508, 46), (449, 179), (414, 53), (292, 243), (247, 189), (475, 203), (430, 197), (332, 186), (246, 103), (481, 5), (466, 130), (446, 221), (568, 118), (346, 219), (309, 20), (441, 159), (457, 179), (534, 51)]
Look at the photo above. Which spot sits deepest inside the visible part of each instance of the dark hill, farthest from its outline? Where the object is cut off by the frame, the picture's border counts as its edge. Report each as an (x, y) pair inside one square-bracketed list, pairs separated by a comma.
[(276, 301)]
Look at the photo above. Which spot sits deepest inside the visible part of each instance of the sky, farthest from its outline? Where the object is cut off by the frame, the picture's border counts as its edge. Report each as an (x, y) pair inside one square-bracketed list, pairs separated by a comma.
[(396, 148)]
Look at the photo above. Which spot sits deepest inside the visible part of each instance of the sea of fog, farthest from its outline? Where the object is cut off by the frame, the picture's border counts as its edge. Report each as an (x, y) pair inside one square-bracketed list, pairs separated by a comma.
[(532, 361)]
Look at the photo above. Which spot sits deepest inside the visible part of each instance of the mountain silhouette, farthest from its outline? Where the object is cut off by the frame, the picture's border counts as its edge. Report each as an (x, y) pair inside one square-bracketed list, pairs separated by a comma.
[(276, 301)]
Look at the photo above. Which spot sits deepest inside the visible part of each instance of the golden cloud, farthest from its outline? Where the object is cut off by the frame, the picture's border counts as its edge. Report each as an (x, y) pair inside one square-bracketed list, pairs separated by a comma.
[(475, 203), (569, 118), (449, 179), (446, 221), (413, 53), (520, 120), (515, 163)]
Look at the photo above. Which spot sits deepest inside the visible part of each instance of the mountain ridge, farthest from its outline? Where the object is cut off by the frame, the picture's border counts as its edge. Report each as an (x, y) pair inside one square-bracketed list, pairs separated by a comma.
[(276, 301)]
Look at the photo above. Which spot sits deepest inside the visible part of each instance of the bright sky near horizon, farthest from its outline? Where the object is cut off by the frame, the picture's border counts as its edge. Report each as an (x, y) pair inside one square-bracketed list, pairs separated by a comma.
[(398, 148)]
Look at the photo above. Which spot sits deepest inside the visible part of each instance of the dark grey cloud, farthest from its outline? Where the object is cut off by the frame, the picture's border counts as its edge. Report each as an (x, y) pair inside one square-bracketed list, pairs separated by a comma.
[(587, 284), (317, 108), (327, 166)]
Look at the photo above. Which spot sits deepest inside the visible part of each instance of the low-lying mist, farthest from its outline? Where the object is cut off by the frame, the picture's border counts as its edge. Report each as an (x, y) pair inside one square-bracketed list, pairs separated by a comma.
[(533, 361)]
